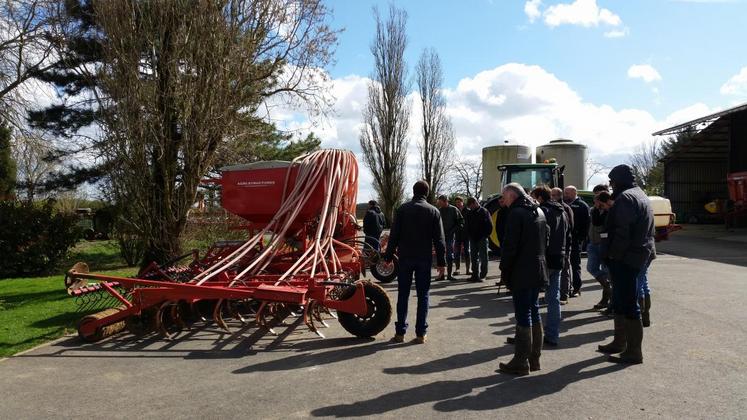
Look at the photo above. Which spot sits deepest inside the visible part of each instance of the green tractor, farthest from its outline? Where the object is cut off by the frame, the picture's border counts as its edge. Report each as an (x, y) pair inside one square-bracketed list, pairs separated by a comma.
[(528, 175)]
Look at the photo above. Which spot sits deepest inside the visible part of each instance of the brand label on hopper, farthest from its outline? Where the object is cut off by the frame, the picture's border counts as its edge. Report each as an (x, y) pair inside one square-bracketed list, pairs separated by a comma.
[(254, 184)]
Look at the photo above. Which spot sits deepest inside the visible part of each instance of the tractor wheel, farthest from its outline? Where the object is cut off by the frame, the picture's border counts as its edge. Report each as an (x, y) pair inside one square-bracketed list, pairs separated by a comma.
[(379, 312), (495, 213), (103, 331), (385, 272)]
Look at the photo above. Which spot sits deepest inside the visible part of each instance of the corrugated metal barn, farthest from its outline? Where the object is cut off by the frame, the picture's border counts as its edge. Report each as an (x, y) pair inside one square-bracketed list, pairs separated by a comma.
[(695, 170)]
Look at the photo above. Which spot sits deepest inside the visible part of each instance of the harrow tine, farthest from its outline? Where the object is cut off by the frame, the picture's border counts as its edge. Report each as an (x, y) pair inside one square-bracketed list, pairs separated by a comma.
[(261, 320), (308, 318), (218, 316)]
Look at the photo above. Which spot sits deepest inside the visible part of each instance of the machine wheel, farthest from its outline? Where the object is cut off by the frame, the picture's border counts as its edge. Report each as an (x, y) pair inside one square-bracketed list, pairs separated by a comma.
[(379, 312), (103, 331), (385, 272)]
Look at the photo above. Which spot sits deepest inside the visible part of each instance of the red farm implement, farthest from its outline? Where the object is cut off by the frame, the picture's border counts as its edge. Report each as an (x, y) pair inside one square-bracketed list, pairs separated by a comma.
[(302, 257)]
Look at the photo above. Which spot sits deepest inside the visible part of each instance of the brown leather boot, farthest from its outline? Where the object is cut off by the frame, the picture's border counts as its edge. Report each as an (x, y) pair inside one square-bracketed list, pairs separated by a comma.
[(534, 357), (618, 342), (519, 365), (632, 354)]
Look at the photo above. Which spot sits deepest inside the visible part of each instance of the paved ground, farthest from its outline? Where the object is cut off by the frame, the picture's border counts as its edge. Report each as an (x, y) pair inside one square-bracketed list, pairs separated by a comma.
[(695, 364)]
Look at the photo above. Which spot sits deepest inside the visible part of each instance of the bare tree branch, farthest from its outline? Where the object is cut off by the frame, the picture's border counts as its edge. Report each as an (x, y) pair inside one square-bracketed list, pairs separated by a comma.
[(437, 139)]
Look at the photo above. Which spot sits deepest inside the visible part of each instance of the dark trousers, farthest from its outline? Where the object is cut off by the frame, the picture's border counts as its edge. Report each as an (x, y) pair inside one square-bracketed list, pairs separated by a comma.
[(526, 306), (576, 266), (565, 277), (449, 247), (373, 239), (625, 289), (479, 255), (421, 268), (461, 246)]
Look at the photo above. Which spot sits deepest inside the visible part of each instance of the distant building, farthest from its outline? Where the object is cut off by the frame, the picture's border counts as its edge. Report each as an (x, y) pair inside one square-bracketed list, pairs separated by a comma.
[(695, 170)]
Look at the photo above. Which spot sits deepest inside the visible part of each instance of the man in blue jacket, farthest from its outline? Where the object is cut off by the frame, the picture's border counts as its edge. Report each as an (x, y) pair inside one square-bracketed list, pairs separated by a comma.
[(373, 224), (416, 230)]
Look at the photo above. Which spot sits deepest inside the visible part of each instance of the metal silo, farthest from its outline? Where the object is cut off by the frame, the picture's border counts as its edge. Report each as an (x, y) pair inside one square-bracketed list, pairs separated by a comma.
[(572, 155), (501, 154)]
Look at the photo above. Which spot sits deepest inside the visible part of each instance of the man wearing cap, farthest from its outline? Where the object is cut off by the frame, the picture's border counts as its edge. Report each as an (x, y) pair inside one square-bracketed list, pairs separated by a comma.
[(630, 230)]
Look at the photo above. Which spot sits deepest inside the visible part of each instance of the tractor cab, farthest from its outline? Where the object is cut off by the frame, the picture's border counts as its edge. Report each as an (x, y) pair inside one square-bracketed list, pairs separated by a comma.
[(529, 175)]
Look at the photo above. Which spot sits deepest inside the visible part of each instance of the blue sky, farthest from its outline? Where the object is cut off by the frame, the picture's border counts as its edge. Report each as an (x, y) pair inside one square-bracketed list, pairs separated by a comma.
[(605, 73), (695, 45)]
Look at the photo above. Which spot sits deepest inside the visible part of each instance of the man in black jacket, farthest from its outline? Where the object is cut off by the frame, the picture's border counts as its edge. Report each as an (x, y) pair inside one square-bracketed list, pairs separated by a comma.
[(415, 231), (524, 270), (479, 226), (373, 224), (565, 277), (461, 239), (557, 224), (452, 220), (581, 221), (630, 230)]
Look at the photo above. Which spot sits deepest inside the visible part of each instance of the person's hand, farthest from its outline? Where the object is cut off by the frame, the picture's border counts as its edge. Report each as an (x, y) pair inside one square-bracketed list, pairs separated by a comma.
[(440, 271)]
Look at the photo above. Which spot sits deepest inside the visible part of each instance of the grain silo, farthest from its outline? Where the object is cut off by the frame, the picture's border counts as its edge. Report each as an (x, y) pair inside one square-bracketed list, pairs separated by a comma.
[(502, 154), (569, 153)]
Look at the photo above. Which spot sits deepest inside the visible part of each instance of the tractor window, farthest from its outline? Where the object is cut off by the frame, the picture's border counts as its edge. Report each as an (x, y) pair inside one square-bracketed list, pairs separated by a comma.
[(529, 178)]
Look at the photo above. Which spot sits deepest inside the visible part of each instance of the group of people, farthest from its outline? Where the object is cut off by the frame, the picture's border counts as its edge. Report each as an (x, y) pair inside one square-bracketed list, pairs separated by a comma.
[(542, 234)]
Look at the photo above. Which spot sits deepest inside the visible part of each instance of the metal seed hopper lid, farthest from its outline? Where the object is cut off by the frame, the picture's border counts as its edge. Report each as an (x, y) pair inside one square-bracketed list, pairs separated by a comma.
[(266, 164)]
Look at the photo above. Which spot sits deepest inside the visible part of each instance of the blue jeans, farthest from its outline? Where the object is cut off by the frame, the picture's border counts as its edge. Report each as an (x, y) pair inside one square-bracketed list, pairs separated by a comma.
[(643, 289), (594, 264), (625, 289), (552, 297), (421, 268), (449, 248), (526, 306)]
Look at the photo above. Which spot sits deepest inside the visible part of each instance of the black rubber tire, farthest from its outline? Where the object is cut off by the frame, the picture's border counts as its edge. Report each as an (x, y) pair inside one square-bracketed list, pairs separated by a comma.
[(493, 206), (379, 312), (382, 276)]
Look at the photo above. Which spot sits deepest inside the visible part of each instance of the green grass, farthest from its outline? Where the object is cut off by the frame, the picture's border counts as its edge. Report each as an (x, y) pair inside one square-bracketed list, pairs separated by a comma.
[(37, 309)]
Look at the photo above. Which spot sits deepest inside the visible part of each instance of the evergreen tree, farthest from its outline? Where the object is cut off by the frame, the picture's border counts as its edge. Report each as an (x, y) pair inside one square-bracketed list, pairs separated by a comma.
[(7, 165)]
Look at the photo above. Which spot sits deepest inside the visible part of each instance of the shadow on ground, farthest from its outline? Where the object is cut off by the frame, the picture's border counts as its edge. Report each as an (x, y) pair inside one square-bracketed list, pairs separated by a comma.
[(501, 390)]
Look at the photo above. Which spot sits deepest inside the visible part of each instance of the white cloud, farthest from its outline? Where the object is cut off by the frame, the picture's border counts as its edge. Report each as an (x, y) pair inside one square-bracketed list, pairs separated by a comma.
[(737, 84), (532, 9), (617, 33), (580, 12), (645, 72), (524, 103)]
